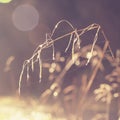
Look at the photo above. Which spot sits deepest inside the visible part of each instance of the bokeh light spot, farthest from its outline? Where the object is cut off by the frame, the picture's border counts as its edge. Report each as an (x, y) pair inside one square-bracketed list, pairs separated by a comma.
[(5, 1), (25, 17)]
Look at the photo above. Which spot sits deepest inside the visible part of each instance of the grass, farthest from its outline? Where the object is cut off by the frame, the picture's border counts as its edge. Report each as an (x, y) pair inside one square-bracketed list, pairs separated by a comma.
[(83, 56)]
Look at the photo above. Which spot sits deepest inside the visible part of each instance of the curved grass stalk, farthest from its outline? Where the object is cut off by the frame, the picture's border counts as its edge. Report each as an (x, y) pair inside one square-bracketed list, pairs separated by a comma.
[(50, 43), (113, 57), (61, 21), (53, 55), (28, 74), (40, 65), (21, 75), (93, 45), (69, 43)]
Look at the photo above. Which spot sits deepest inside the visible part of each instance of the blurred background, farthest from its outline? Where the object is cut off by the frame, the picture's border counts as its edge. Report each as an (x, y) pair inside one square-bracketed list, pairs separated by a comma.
[(24, 24)]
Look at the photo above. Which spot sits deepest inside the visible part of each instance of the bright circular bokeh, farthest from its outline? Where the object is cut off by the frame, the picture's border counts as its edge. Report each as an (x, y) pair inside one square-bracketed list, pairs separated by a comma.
[(25, 17), (5, 1)]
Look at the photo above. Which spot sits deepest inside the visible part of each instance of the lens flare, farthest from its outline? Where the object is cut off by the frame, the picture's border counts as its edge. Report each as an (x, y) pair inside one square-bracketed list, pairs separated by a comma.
[(25, 17)]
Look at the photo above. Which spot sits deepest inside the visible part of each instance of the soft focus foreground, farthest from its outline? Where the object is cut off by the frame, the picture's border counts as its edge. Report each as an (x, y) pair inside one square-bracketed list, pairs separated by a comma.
[(13, 108)]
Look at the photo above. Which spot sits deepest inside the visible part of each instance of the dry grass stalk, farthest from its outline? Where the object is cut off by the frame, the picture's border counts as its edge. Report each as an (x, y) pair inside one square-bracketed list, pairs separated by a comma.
[(75, 39)]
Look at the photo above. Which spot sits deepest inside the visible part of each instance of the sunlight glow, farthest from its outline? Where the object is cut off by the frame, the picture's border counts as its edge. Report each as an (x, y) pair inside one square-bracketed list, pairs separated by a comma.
[(5, 1), (18, 109)]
